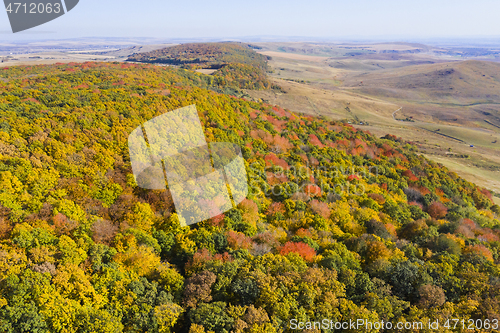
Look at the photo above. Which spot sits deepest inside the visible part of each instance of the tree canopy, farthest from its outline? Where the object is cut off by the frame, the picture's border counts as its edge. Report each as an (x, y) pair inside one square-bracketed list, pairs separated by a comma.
[(338, 224)]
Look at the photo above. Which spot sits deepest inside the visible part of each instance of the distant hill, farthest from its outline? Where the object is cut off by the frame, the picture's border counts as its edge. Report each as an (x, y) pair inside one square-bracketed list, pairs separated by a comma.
[(205, 55), (238, 65)]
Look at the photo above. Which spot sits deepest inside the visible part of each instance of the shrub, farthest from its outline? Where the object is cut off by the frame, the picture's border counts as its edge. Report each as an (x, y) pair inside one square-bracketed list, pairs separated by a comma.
[(377, 228), (213, 316), (246, 290), (306, 240), (481, 250), (437, 210), (320, 208), (431, 296), (444, 243), (198, 288), (238, 240), (416, 211), (379, 198)]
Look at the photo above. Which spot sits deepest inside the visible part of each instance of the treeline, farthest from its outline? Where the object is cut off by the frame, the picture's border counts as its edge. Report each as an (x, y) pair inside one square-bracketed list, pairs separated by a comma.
[(338, 224)]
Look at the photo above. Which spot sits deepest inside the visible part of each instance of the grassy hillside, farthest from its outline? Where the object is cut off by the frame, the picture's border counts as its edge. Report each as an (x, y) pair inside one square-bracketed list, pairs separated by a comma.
[(457, 84), (338, 224), (465, 81)]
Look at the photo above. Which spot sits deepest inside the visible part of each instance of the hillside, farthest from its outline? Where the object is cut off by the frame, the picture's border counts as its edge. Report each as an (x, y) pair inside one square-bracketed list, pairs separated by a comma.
[(471, 83), (393, 99), (338, 224)]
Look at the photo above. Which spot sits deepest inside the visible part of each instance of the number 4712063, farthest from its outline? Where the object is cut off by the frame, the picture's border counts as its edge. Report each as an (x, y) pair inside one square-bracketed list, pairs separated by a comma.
[(33, 8), (471, 324)]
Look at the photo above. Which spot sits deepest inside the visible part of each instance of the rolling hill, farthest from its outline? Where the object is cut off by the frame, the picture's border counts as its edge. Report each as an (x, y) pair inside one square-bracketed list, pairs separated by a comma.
[(463, 83)]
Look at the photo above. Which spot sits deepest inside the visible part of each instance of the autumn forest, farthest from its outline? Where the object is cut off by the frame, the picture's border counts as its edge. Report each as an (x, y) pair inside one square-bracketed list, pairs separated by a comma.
[(338, 223)]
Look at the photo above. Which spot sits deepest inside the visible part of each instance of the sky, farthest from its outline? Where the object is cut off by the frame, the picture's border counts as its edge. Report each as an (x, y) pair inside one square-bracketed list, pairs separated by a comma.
[(390, 19)]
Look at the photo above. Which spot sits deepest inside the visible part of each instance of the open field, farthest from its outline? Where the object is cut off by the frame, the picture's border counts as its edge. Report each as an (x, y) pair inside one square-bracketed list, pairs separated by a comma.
[(44, 58), (481, 177), (338, 104), (51, 53), (206, 71), (450, 109), (294, 56)]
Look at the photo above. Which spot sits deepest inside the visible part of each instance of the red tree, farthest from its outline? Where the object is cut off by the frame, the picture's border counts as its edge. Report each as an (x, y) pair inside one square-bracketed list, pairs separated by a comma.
[(302, 249), (437, 210)]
